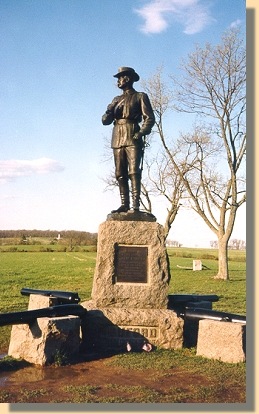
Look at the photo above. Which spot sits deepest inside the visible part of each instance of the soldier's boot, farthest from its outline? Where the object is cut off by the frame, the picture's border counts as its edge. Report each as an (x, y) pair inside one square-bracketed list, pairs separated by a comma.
[(135, 189), (124, 194)]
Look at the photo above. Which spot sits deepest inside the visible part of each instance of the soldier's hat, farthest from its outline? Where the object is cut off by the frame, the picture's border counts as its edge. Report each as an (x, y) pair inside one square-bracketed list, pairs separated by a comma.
[(124, 70)]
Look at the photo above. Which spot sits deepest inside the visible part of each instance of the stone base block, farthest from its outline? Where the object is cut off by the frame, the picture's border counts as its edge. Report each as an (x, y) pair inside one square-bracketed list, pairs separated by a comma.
[(45, 340), (132, 267), (112, 328), (40, 301), (224, 341)]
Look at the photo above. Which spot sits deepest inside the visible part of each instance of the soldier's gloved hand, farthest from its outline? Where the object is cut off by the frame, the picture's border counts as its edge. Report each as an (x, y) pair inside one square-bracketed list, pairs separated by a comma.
[(137, 135), (111, 107)]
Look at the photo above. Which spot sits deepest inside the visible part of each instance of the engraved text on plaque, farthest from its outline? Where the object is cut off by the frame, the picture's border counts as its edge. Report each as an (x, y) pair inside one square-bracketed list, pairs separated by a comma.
[(131, 264)]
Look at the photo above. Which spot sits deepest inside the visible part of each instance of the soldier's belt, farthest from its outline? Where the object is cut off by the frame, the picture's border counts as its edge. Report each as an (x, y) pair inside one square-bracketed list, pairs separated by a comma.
[(124, 121)]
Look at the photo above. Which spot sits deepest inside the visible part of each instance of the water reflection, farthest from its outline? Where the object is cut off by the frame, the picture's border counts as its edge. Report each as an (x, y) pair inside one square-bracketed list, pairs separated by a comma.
[(34, 374)]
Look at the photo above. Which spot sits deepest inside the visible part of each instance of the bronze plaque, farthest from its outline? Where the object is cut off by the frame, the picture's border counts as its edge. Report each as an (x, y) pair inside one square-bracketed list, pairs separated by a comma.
[(131, 264)]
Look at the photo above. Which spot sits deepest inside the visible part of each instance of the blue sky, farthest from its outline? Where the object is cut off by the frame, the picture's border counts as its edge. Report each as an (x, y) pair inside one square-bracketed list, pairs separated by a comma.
[(58, 58)]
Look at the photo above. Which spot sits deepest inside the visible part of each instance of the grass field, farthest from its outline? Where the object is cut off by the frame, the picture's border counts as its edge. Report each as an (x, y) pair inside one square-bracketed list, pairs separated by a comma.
[(74, 271), (45, 267)]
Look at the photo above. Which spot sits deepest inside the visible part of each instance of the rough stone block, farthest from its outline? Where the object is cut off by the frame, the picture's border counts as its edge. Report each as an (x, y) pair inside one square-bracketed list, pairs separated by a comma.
[(40, 301), (221, 340), (42, 341), (111, 328), (141, 291)]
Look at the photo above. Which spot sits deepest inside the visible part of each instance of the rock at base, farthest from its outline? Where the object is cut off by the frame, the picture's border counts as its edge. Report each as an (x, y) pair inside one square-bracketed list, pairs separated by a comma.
[(113, 328), (224, 341), (46, 340)]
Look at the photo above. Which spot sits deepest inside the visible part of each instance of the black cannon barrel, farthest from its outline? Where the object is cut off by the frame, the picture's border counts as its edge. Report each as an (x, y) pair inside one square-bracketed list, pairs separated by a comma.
[(185, 297), (23, 317), (201, 313), (60, 294)]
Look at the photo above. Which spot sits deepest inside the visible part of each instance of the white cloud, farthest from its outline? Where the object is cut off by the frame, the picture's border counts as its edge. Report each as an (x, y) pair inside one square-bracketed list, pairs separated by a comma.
[(158, 15), (11, 169), (236, 23)]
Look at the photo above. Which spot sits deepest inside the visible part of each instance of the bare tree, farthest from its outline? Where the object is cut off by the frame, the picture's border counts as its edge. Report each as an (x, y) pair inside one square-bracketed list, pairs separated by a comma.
[(236, 244), (213, 87), (165, 181), (209, 161), (214, 244), (162, 176)]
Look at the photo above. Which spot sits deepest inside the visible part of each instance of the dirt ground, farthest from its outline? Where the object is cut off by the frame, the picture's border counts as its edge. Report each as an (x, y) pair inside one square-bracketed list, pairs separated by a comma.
[(97, 380)]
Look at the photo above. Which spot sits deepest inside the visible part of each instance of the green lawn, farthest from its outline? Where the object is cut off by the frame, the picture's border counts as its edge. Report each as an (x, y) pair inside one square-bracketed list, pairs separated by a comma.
[(74, 271), (232, 293)]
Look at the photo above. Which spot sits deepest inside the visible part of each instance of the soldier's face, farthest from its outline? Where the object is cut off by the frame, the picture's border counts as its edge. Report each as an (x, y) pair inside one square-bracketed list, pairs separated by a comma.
[(124, 81)]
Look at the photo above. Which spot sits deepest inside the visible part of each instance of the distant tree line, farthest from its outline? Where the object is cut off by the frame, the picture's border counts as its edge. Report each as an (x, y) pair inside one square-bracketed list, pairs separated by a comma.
[(173, 243), (233, 244), (76, 237)]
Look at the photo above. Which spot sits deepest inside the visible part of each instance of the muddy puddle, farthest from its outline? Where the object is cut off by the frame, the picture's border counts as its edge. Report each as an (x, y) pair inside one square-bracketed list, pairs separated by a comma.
[(36, 373)]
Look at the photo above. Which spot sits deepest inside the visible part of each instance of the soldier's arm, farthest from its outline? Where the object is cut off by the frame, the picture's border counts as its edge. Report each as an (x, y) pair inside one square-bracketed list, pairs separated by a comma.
[(147, 114), (108, 116)]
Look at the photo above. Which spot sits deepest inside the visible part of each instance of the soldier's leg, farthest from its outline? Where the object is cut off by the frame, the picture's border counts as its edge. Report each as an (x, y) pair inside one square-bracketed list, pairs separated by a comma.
[(135, 189), (134, 160), (121, 173)]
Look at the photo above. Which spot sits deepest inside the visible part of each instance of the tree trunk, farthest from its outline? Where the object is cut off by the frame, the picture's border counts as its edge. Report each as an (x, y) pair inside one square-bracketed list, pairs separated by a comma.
[(223, 272)]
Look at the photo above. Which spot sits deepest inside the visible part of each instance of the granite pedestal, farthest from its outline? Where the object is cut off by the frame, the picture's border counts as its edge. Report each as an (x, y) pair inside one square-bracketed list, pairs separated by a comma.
[(130, 289)]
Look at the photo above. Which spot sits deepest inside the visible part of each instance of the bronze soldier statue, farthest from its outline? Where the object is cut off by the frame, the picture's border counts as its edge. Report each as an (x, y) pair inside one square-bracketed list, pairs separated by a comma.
[(126, 112)]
